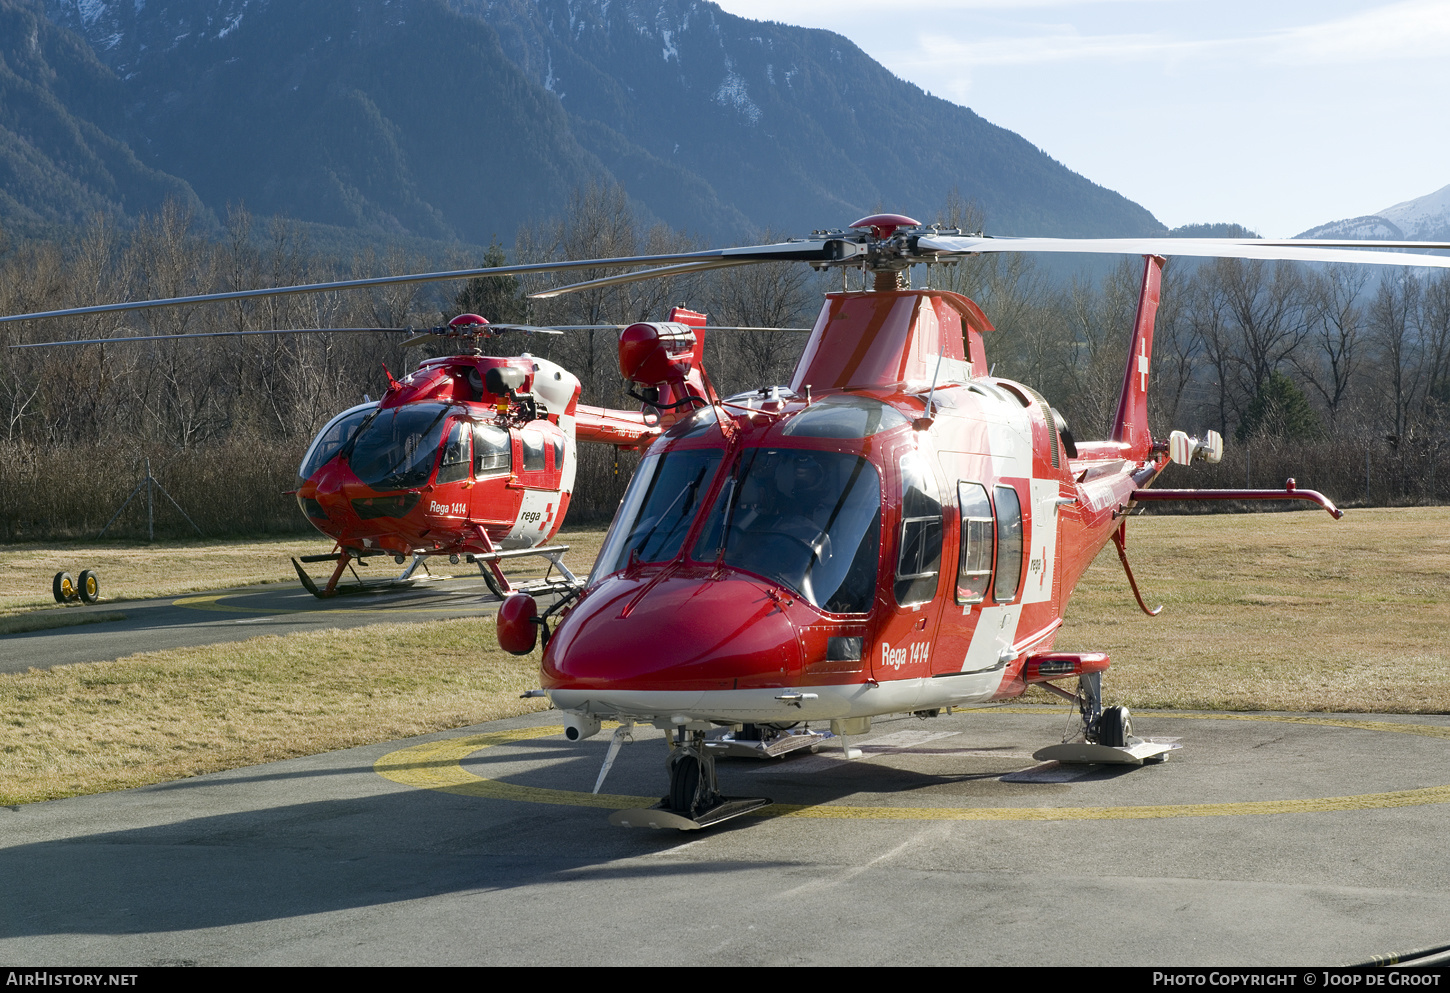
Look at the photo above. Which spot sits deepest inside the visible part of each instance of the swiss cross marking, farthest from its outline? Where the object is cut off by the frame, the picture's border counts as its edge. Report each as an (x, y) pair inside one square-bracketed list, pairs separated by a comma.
[(1143, 367)]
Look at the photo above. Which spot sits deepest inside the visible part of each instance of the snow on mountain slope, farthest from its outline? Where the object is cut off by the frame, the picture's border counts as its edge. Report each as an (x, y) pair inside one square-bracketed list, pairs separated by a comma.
[(1425, 218)]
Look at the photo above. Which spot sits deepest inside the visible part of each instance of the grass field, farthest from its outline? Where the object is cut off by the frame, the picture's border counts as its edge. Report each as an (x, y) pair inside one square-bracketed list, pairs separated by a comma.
[(1283, 611), (1279, 611)]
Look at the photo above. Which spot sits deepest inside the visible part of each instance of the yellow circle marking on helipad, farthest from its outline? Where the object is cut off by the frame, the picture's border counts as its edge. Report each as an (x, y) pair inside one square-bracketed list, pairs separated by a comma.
[(211, 602), (436, 766)]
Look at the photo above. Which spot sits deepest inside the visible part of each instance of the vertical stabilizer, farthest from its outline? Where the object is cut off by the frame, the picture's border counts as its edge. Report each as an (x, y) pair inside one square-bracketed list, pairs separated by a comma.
[(1130, 425)]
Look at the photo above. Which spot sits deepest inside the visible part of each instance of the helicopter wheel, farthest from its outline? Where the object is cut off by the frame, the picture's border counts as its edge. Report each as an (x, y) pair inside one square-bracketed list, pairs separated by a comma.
[(685, 773), (64, 587), (90, 586), (1115, 728)]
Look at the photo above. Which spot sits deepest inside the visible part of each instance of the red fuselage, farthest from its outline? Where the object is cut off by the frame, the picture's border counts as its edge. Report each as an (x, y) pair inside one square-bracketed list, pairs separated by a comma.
[(839, 550)]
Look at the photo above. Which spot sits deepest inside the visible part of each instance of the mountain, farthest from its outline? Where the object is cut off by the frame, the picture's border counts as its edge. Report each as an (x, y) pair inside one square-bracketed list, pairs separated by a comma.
[(1425, 218), (66, 146), (797, 128), (463, 119)]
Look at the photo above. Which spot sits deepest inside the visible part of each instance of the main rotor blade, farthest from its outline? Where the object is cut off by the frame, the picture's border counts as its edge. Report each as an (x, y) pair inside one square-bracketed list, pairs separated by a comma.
[(210, 334), (486, 329), (815, 250), (418, 334), (643, 274), (708, 327), (1202, 247)]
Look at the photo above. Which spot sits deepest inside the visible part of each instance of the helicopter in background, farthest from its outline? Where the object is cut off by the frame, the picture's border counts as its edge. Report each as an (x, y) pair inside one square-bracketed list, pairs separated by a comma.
[(468, 456)]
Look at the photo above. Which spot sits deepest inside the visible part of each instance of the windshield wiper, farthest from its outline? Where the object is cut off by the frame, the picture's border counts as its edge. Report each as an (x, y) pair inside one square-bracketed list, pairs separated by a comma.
[(692, 487)]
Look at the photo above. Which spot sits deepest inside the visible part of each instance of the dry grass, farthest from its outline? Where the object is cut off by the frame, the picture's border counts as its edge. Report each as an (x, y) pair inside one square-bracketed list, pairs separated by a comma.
[(167, 715), (130, 571), (1284, 611)]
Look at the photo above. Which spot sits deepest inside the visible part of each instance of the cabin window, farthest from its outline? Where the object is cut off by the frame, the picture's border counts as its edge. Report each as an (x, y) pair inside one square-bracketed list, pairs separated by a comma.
[(492, 450), (808, 519), (533, 444), (657, 509), (974, 563), (558, 444), (919, 557), (1009, 544), (456, 455)]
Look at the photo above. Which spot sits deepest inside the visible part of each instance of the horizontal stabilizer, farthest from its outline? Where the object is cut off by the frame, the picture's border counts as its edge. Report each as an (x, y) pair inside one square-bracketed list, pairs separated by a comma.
[(1185, 450)]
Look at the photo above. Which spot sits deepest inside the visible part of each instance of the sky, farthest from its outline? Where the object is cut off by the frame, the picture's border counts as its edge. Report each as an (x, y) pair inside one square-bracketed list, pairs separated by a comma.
[(1277, 114)]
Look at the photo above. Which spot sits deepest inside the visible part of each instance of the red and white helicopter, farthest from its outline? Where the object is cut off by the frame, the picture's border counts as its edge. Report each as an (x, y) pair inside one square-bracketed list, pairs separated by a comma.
[(895, 531)]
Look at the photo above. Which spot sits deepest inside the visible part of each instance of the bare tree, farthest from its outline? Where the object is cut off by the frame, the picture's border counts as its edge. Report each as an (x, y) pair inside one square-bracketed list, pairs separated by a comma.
[(1337, 327), (1394, 325)]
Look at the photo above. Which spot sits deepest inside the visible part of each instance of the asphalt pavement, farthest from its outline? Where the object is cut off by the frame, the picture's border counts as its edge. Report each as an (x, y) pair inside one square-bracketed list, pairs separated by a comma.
[(1290, 840), (235, 615)]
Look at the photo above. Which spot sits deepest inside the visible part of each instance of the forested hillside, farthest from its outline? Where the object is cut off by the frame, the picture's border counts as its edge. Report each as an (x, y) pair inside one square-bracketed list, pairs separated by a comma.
[(464, 120)]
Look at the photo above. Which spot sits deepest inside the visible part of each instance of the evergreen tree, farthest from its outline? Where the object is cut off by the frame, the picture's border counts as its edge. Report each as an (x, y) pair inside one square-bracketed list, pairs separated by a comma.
[(1279, 409), (495, 298)]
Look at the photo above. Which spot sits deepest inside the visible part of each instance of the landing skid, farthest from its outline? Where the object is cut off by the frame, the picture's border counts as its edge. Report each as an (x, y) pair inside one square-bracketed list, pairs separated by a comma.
[(1136, 752), (659, 816), (405, 581), (558, 578)]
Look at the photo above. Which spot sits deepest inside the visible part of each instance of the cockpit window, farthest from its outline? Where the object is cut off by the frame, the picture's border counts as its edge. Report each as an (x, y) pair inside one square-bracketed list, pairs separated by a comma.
[(919, 557), (330, 439), (808, 519), (397, 448), (454, 466), (658, 508), (844, 416)]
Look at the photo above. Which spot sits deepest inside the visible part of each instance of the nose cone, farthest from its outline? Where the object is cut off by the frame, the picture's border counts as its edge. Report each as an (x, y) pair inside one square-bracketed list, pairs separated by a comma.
[(325, 490), (674, 632)]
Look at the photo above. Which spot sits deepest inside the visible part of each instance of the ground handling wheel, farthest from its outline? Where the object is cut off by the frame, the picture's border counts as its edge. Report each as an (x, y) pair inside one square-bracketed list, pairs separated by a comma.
[(90, 586), (64, 587), (1115, 728)]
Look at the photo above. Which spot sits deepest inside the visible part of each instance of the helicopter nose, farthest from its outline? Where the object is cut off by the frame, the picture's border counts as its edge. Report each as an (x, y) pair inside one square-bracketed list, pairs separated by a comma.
[(675, 633), (327, 491)]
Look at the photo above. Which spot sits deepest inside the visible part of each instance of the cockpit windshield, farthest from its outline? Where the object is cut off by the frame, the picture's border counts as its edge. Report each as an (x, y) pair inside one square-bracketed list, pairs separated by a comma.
[(330, 439), (808, 519), (396, 450), (658, 508)]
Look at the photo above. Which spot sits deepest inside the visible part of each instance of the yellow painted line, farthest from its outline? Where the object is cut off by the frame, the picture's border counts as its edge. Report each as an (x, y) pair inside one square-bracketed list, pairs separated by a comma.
[(210, 602), (436, 766)]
